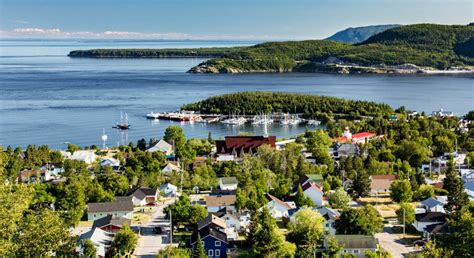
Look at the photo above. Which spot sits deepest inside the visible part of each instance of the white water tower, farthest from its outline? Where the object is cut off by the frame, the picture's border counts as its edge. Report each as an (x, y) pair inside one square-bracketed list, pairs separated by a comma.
[(104, 138)]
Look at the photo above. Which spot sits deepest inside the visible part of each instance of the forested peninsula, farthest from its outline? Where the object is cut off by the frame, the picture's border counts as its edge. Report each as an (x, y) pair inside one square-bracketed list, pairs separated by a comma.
[(419, 48), (252, 103)]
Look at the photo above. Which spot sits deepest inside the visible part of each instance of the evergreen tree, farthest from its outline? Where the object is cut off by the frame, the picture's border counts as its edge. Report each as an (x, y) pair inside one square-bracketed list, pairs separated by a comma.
[(302, 200), (199, 251), (457, 198), (361, 184)]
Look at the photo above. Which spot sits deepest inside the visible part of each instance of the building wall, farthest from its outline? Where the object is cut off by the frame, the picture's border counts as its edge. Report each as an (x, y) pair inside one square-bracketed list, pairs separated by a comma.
[(210, 244), (228, 187), (97, 215), (358, 252), (315, 195)]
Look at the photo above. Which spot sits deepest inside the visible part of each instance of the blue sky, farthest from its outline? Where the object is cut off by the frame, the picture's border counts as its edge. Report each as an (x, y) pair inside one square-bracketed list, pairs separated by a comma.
[(219, 19)]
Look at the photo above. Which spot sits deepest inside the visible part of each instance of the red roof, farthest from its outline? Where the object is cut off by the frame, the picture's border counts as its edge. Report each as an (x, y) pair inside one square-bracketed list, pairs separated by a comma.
[(310, 184), (362, 135), (243, 144)]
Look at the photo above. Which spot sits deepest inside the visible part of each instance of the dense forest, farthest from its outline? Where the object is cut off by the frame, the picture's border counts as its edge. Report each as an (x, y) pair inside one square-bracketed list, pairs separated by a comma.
[(360, 34), (154, 53), (251, 103), (427, 45)]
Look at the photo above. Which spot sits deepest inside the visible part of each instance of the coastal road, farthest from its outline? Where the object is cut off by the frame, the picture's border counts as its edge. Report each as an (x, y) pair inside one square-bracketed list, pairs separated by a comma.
[(150, 243), (392, 243)]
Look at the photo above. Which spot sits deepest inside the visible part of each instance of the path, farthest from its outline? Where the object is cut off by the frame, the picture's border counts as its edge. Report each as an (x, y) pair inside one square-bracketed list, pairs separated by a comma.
[(392, 243)]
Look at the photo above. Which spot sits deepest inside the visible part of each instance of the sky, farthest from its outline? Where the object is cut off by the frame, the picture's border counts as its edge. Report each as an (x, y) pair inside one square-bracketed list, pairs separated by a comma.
[(217, 19)]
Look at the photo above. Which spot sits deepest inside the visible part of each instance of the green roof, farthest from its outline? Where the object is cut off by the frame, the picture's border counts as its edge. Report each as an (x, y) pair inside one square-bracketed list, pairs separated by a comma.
[(315, 177), (356, 241), (229, 180)]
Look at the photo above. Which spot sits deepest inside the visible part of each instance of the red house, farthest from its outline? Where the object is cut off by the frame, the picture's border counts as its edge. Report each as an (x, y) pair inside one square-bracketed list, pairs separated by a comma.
[(110, 223), (237, 145)]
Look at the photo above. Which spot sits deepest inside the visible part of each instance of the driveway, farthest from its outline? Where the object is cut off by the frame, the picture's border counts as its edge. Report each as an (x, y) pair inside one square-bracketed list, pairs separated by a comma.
[(392, 243), (150, 243)]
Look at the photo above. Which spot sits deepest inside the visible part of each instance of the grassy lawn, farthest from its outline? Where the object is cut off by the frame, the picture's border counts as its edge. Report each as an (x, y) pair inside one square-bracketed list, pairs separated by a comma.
[(384, 205), (85, 224), (143, 217), (411, 235)]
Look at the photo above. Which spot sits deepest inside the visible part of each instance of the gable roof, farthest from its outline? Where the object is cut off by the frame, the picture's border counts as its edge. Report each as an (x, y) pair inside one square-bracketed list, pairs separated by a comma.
[(98, 237), (430, 217), (161, 146), (220, 200), (117, 205), (142, 192), (110, 220), (211, 219), (276, 200), (329, 213), (244, 144), (228, 180), (310, 184), (362, 135), (356, 241), (172, 167), (209, 232), (437, 228)]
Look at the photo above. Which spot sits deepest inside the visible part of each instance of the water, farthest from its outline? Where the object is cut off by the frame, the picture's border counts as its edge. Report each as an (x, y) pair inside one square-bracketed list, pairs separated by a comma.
[(48, 98)]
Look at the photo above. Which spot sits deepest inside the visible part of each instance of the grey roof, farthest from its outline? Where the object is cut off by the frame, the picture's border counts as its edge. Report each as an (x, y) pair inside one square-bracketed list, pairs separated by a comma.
[(356, 241), (141, 193), (348, 148), (110, 220), (209, 231), (329, 213), (430, 217), (437, 228), (121, 204), (98, 236)]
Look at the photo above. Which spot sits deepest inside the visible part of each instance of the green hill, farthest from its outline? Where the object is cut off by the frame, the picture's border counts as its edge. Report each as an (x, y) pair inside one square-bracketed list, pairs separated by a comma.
[(360, 34), (424, 45), (154, 53)]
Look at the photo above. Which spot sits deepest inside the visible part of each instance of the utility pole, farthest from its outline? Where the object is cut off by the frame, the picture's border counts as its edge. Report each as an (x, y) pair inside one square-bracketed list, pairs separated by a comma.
[(171, 228), (403, 222)]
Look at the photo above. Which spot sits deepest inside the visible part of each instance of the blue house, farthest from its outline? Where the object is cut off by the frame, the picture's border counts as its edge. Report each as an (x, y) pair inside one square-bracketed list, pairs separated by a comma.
[(214, 241)]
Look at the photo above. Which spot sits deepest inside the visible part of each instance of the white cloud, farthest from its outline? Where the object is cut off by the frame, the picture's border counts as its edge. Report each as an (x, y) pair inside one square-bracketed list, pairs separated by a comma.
[(59, 34)]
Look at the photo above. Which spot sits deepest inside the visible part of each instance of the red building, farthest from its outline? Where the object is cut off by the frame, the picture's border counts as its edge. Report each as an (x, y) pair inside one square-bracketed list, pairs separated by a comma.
[(237, 145)]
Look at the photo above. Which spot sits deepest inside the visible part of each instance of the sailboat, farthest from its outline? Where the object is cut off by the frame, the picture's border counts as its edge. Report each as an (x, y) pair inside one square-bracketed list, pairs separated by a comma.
[(123, 124)]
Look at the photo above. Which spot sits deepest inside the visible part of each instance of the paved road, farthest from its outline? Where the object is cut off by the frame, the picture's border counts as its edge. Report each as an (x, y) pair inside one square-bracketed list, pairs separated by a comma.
[(392, 243), (149, 242)]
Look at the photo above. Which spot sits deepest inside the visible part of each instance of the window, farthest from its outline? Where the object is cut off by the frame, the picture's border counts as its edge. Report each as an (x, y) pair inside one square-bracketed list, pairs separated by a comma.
[(217, 243), (218, 253), (344, 251), (356, 251), (210, 253)]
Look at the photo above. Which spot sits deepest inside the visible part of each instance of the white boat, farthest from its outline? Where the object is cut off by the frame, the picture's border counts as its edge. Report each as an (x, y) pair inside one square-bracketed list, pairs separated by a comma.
[(313, 122), (285, 120), (153, 115), (295, 120), (238, 121)]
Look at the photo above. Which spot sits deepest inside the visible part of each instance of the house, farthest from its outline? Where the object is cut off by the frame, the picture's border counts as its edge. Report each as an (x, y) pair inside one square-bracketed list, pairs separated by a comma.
[(169, 190), (163, 147), (232, 219), (358, 138), (238, 145), (110, 223), (101, 239), (110, 162), (346, 150), (434, 204), (120, 207), (422, 220), (34, 175), (381, 183), (278, 208), (330, 215), (228, 183), (88, 156), (215, 241), (169, 168), (143, 196), (282, 144), (216, 203), (469, 189), (314, 192), (224, 157), (435, 229), (213, 221), (355, 245)]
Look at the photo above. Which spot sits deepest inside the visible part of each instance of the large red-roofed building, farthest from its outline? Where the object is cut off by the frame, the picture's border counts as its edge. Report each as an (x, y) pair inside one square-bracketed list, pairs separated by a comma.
[(237, 145)]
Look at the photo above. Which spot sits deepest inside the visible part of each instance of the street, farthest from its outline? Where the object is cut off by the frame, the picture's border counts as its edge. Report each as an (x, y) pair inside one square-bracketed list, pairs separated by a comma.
[(392, 243)]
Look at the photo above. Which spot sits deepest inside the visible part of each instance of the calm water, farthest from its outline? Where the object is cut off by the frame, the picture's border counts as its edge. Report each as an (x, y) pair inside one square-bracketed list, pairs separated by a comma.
[(48, 98)]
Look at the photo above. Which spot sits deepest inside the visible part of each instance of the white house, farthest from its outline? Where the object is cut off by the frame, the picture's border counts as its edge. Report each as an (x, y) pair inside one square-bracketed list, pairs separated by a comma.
[(162, 146), (170, 167), (228, 183), (434, 204), (314, 192), (214, 203), (225, 157), (88, 156), (101, 239), (278, 208), (330, 215), (231, 218), (143, 196), (169, 190), (121, 207), (422, 220)]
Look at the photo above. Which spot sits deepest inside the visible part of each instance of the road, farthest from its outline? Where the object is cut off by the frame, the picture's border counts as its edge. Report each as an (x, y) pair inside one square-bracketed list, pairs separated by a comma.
[(150, 243), (392, 243)]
